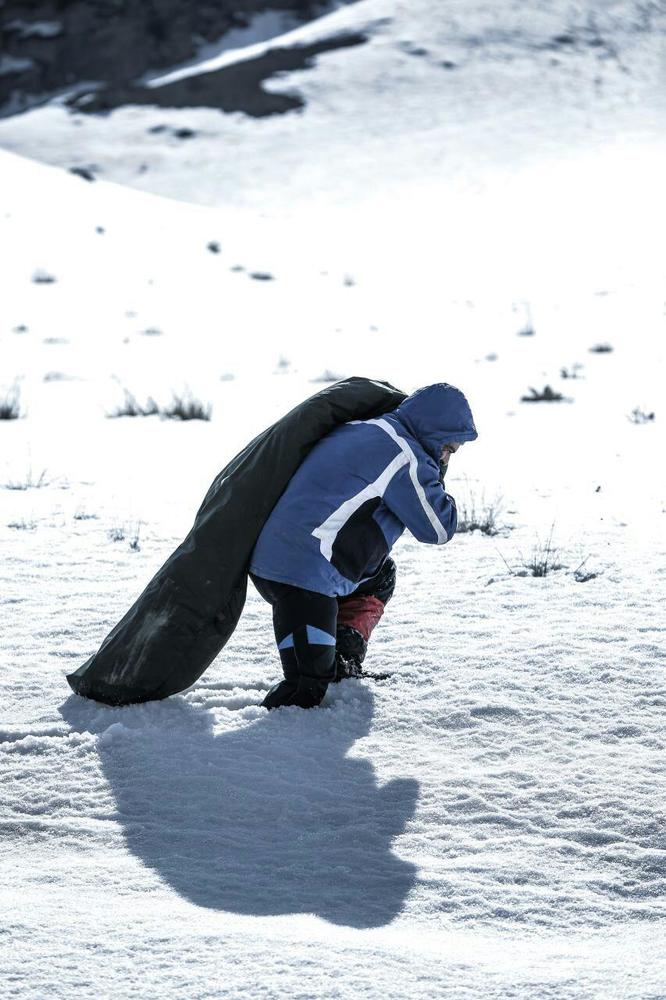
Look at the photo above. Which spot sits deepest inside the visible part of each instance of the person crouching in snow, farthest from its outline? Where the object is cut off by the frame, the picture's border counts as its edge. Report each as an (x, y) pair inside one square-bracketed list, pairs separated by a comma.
[(322, 558)]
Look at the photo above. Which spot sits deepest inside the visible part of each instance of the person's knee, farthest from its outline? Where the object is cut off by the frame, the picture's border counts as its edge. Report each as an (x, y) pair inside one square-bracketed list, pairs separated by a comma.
[(384, 583)]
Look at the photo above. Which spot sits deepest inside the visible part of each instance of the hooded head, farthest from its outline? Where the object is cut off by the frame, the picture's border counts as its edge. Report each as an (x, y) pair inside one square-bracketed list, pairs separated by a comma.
[(437, 415)]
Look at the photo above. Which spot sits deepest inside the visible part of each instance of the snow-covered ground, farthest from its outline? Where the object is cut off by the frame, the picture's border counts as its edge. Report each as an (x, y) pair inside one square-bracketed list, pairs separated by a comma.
[(490, 821)]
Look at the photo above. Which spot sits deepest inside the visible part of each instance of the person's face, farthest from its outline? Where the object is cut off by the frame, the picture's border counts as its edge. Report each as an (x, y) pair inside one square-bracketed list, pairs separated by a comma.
[(448, 450)]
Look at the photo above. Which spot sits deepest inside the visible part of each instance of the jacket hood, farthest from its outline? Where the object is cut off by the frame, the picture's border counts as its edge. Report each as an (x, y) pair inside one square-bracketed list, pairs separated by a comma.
[(437, 415)]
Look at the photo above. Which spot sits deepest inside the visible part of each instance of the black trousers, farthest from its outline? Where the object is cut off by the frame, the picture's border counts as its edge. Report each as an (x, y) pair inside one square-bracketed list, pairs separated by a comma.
[(305, 623)]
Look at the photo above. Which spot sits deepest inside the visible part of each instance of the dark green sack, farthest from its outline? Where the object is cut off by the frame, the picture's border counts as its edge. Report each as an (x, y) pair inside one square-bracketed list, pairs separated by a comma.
[(190, 608)]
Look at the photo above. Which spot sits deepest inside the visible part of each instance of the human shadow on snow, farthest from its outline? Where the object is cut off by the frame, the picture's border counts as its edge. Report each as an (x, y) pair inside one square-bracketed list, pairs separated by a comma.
[(270, 817)]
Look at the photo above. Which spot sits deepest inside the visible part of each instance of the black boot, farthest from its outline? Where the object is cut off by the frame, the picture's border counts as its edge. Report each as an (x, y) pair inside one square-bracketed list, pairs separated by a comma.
[(350, 650), (346, 668), (307, 692)]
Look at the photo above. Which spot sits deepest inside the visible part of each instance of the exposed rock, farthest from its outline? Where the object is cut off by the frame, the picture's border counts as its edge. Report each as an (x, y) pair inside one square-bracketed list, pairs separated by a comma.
[(53, 46), (33, 29), (42, 277), (11, 66), (87, 173), (237, 87)]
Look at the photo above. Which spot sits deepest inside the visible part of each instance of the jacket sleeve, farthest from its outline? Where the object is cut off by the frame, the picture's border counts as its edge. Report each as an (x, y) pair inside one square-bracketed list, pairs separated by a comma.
[(417, 497)]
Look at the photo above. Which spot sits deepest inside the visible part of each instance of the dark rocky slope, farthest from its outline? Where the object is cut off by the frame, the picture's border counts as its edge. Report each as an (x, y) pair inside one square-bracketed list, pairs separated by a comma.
[(50, 46)]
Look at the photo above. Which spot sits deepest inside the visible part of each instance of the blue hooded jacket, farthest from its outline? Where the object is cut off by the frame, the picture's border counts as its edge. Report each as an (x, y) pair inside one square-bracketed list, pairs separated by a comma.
[(358, 489)]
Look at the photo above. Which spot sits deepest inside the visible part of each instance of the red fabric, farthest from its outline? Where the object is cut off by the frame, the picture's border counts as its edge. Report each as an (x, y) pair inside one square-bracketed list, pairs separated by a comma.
[(361, 612)]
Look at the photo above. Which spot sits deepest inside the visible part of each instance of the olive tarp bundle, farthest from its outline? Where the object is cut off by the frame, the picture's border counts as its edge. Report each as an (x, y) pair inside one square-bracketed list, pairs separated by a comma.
[(190, 608)]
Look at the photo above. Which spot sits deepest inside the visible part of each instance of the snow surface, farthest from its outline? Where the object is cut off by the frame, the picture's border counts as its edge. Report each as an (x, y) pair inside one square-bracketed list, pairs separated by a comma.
[(490, 821)]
